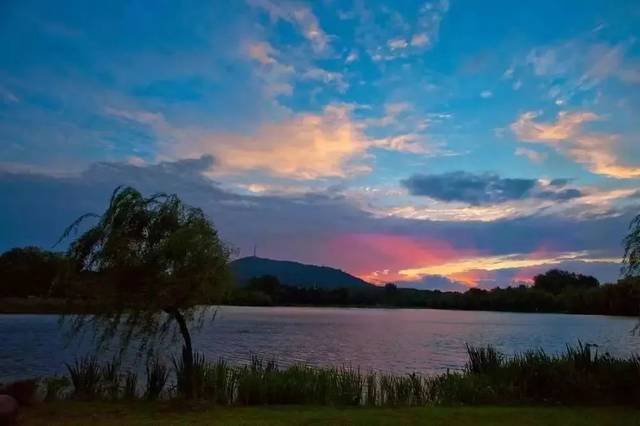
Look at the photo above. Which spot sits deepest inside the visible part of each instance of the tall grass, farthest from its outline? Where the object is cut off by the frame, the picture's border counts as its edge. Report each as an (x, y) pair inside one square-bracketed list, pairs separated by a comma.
[(85, 377), (157, 377), (579, 375), (110, 376), (130, 388), (483, 359)]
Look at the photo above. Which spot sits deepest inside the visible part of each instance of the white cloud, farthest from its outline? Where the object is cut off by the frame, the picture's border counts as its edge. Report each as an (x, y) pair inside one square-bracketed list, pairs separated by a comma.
[(533, 156), (352, 57), (485, 94), (301, 16), (327, 77), (397, 43), (584, 66)]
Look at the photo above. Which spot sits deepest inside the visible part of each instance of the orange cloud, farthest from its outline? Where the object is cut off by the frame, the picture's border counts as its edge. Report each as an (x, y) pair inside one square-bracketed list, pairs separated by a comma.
[(463, 268), (596, 150), (304, 146)]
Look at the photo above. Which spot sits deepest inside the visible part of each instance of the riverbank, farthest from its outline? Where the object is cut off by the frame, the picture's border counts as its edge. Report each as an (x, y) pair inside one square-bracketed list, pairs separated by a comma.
[(179, 412)]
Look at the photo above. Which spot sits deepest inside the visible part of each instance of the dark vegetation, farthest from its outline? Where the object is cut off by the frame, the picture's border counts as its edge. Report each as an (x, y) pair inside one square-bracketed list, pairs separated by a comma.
[(34, 272), (554, 291), (580, 375), (149, 266)]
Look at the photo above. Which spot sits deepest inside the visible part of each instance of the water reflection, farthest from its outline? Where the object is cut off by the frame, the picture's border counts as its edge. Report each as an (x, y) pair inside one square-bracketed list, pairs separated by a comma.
[(396, 340)]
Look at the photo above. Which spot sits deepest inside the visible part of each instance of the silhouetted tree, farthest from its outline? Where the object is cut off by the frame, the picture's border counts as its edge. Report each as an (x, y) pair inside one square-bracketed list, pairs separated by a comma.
[(28, 271), (631, 258), (390, 288), (154, 255), (556, 281), (267, 284)]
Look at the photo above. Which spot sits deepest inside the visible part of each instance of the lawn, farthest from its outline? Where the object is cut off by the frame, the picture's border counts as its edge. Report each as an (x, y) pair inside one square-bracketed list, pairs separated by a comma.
[(179, 413)]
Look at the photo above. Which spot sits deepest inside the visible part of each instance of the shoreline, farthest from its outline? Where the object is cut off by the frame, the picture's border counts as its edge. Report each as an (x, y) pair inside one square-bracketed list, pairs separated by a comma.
[(57, 306)]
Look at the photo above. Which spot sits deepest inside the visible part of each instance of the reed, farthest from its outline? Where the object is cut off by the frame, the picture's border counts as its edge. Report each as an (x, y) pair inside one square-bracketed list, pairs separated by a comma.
[(130, 388), (579, 375), (85, 377), (157, 376)]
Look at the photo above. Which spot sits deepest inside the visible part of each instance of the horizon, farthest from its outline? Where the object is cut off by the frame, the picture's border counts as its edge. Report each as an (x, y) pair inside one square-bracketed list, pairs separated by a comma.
[(409, 142)]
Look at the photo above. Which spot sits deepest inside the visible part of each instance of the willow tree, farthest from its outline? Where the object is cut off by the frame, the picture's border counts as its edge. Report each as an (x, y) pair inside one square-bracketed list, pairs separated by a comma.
[(158, 263), (631, 259)]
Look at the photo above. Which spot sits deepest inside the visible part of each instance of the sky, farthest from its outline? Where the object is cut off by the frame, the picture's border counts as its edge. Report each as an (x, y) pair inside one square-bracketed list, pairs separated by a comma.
[(438, 144)]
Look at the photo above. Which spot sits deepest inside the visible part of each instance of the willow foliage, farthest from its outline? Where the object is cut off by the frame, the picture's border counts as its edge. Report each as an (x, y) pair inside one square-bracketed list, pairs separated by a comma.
[(157, 261)]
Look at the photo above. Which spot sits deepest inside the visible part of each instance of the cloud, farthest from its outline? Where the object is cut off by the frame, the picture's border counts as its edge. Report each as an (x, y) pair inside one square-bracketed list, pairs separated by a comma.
[(303, 146), (298, 14), (327, 77), (352, 56), (434, 282), (262, 52), (420, 40), (392, 110), (275, 75), (397, 43), (579, 65), (314, 227), (533, 156), (459, 268), (482, 189), (596, 150), (485, 94), (388, 34)]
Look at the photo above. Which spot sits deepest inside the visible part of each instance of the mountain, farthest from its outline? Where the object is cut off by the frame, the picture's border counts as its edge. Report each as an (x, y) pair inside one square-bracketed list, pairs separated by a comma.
[(294, 273)]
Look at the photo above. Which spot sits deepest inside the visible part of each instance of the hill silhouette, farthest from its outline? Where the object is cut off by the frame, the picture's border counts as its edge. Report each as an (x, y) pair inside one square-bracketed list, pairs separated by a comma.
[(294, 274)]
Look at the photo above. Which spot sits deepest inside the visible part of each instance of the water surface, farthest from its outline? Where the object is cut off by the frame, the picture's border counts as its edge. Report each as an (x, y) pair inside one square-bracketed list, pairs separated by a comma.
[(394, 340)]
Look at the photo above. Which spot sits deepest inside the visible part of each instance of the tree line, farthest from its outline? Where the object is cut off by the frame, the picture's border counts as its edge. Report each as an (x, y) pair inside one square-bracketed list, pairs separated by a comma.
[(553, 291), (34, 272)]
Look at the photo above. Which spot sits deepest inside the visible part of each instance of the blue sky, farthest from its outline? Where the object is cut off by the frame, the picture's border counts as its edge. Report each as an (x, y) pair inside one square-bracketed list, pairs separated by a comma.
[(430, 137)]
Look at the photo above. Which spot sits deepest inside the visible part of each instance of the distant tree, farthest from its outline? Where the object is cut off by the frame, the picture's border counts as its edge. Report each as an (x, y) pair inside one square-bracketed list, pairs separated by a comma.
[(267, 284), (390, 288), (28, 271), (158, 261), (556, 281)]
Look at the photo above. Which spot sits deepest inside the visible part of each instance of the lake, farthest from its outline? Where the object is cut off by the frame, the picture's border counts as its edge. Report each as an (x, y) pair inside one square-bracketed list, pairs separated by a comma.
[(392, 340)]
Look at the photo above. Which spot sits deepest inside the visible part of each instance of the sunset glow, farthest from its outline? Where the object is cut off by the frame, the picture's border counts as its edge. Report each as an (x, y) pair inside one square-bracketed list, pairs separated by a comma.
[(401, 142)]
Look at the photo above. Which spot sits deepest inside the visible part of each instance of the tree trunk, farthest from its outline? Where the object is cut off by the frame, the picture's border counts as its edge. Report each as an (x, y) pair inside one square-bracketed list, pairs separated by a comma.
[(187, 352)]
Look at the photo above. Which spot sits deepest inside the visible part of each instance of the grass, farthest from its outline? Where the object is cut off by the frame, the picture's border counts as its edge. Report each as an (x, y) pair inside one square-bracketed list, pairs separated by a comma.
[(180, 413), (580, 376)]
